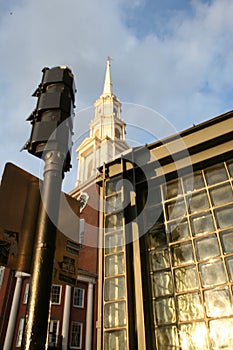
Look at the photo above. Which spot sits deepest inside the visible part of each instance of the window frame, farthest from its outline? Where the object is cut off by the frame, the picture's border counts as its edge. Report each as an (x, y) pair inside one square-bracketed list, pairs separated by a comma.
[(79, 324), (26, 293), (60, 291), (81, 305), (81, 230), (51, 323), (2, 272), (19, 337)]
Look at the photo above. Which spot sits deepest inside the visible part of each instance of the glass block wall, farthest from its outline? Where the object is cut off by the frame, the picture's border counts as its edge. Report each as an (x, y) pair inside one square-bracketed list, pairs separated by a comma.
[(115, 322), (191, 261)]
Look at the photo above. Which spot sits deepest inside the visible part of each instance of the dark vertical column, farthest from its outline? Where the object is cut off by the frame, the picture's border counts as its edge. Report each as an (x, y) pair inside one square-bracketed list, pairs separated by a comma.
[(36, 321)]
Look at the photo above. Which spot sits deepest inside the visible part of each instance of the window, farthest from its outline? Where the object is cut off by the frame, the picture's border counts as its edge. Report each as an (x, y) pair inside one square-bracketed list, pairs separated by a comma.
[(25, 298), (81, 231), (53, 332), (117, 133), (114, 264), (2, 270), (20, 333), (115, 314), (76, 335), (114, 288), (90, 168), (56, 294), (114, 292), (192, 273), (79, 297), (115, 340)]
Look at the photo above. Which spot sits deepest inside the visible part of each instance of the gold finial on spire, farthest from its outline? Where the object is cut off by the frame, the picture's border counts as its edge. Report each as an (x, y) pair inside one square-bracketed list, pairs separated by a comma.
[(108, 83)]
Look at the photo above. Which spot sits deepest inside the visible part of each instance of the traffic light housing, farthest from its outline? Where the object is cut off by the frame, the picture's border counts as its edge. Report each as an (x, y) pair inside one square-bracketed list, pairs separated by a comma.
[(52, 120)]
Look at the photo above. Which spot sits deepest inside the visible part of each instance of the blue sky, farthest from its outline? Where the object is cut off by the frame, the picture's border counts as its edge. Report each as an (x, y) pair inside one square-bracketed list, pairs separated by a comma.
[(171, 58)]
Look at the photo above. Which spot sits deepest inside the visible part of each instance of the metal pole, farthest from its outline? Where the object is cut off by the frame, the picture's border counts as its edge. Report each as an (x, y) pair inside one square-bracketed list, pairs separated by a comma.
[(37, 313)]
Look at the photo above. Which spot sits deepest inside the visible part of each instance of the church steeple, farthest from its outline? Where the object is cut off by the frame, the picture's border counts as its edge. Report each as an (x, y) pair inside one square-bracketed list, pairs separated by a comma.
[(107, 132), (107, 91), (107, 121)]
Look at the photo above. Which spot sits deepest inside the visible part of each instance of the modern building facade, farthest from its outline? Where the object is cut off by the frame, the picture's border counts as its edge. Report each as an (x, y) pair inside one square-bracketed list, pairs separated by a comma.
[(166, 262)]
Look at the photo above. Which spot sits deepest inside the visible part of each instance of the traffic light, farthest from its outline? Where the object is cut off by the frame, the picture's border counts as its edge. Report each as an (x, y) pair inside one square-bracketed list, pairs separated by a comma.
[(52, 120)]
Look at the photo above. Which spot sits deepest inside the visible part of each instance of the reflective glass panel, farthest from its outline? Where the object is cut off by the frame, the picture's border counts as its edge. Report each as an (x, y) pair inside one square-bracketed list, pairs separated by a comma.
[(215, 174), (114, 221), (114, 264), (114, 185), (218, 302), (221, 194), (221, 334), (224, 216), (182, 254), (193, 182), (190, 307), (159, 259), (114, 242), (173, 189), (115, 340), (229, 262), (227, 241), (114, 288), (165, 310), (230, 168), (198, 202), (152, 215), (202, 224), (186, 278), (114, 314), (207, 247), (179, 231), (167, 338), (114, 203), (162, 283), (175, 210), (194, 336), (157, 236), (212, 273)]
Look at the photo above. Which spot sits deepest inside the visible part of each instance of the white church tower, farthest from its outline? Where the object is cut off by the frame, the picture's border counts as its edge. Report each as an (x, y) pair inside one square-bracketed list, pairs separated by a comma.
[(107, 133)]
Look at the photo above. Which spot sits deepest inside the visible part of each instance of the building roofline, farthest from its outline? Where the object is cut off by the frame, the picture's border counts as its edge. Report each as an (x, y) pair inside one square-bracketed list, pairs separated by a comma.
[(191, 129)]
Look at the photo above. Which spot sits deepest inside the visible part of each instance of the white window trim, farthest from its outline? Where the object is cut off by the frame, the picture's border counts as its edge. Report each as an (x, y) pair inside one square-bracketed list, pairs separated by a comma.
[(83, 295), (51, 328), (2, 271), (59, 302), (26, 292), (81, 230), (20, 333), (81, 335)]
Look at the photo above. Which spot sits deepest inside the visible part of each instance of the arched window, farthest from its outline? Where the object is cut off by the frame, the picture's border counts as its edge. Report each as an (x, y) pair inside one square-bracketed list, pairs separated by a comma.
[(117, 133), (89, 169)]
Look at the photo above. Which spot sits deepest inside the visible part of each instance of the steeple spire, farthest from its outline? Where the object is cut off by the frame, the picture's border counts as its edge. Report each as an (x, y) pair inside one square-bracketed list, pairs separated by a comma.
[(107, 83), (107, 133)]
